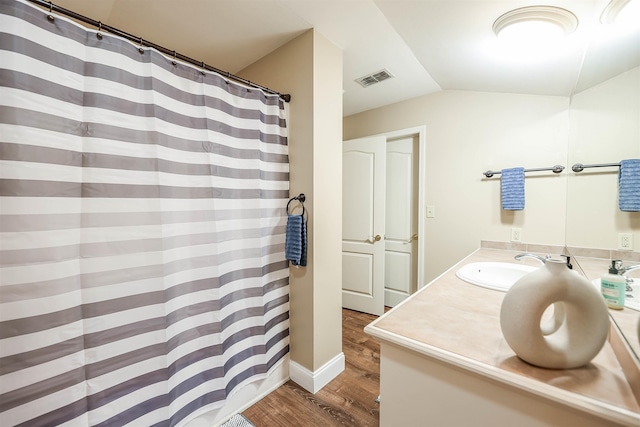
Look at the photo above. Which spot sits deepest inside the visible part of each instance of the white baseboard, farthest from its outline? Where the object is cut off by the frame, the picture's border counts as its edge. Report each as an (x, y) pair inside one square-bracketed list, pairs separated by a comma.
[(314, 381)]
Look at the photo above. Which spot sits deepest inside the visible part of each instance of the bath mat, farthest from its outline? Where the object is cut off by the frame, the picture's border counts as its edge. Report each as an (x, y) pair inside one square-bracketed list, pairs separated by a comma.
[(238, 420)]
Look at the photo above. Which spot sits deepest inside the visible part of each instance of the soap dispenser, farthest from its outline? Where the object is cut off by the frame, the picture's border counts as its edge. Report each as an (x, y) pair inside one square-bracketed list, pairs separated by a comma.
[(613, 286)]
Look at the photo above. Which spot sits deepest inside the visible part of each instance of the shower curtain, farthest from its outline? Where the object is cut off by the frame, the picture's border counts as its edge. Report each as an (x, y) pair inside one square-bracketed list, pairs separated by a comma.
[(142, 228)]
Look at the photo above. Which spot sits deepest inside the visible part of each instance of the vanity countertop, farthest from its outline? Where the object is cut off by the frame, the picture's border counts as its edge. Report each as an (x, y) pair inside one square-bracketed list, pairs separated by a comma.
[(626, 319), (459, 323)]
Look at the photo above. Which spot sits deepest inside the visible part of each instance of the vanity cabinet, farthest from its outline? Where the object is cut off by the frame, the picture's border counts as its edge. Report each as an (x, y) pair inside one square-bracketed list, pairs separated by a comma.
[(444, 362)]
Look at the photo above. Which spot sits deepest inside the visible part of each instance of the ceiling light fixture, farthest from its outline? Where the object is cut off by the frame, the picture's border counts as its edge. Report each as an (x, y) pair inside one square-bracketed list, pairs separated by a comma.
[(535, 24)]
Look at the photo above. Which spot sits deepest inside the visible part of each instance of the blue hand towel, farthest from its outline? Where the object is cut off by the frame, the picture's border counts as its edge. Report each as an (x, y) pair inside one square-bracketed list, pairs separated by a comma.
[(303, 257), (512, 183), (295, 246), (629, 185)]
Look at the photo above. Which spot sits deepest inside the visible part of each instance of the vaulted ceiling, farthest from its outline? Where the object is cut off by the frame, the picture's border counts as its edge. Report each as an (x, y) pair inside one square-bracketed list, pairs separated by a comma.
[(428, 45)]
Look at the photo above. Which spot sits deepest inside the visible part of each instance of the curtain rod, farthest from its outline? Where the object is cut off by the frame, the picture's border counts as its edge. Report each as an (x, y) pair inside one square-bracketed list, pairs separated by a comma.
[(139, 40)]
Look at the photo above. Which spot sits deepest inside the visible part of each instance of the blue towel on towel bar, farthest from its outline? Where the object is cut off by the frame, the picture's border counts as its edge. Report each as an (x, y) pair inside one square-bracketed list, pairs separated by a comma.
[(303, 257), (512, 185), (629, 185), (295, 246)]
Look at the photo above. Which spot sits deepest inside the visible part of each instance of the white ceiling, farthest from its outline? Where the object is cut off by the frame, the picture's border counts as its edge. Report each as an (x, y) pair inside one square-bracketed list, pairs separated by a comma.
[(428, 45)]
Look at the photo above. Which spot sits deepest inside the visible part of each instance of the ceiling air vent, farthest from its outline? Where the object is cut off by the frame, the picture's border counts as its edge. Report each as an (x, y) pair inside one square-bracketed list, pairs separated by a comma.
[(374, 78)]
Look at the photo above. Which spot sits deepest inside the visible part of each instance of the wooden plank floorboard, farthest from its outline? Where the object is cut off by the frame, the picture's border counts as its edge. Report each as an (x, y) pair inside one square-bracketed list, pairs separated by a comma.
[(348, 400)]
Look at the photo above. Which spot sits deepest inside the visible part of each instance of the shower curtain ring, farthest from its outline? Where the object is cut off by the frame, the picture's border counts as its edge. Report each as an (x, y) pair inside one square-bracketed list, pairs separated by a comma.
[(50, 16), (140, 49), (174, 62), (203, 68), (99, 34)]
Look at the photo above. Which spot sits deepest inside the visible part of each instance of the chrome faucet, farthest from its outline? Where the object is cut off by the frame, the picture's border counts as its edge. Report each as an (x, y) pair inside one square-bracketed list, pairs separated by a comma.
[(530, 255), (624, 271), (542, 259)]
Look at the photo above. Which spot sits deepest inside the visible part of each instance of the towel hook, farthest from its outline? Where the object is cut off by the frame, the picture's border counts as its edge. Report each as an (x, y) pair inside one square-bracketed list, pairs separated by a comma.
[(301, 198)]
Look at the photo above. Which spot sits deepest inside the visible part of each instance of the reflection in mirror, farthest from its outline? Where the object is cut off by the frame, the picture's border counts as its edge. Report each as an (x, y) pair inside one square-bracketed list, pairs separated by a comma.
[(605, 128)]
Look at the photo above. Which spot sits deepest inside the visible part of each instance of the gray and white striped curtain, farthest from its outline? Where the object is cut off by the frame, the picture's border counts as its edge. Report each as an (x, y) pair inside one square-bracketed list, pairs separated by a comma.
[(142, 228)]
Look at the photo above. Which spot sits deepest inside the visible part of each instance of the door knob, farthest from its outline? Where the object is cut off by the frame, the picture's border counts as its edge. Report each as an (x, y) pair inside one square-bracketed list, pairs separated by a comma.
[(411, 239), (377, 238)]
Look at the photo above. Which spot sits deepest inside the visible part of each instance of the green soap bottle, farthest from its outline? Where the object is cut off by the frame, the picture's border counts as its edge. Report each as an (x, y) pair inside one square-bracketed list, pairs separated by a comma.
[(613, 286)]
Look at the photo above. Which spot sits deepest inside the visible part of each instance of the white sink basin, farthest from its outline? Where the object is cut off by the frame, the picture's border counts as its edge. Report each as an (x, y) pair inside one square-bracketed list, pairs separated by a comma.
[(493, 275), (632, 298)]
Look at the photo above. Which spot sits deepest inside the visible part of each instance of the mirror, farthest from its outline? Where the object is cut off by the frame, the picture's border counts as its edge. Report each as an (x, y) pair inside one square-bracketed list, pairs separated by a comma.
[(605, 128)]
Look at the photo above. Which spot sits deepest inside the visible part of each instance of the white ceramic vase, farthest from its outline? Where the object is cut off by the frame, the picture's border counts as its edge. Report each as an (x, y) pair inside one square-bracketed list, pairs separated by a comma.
[(575, 333)]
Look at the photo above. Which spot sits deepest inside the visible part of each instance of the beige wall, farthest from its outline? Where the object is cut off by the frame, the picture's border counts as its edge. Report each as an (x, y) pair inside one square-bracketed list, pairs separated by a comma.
[(605, 128), (468, 133), (327, 190), (310, 69)]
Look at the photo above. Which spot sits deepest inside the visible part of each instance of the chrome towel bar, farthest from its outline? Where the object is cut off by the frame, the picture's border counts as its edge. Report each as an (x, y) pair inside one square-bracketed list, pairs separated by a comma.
[(555, 169), (579, 167)]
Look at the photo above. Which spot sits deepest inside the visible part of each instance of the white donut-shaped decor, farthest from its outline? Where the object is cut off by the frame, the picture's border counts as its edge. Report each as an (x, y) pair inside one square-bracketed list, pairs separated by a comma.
[(580, 323)]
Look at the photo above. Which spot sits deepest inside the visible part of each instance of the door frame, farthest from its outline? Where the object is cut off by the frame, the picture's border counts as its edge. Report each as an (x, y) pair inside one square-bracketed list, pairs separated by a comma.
[(420, 132)]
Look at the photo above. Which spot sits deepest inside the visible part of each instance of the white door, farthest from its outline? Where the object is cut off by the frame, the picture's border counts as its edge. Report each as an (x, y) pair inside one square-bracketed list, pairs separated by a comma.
[(363, 210), (401, 228)]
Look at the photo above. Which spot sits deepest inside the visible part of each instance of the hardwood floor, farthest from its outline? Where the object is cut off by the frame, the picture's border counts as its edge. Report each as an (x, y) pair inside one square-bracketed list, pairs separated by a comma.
[(348, 400)]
